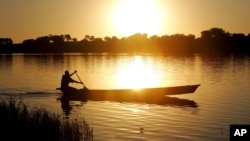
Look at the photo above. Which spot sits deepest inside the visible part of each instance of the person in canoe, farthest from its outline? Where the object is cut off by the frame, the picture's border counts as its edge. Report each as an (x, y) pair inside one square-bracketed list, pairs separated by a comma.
[(66, 79)]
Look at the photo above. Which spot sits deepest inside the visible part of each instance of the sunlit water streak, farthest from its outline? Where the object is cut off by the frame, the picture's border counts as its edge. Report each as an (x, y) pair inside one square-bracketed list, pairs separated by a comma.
[(222, 99)]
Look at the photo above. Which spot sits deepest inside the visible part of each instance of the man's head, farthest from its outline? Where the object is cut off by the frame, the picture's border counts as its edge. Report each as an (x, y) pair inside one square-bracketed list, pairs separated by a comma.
[(66, 72)]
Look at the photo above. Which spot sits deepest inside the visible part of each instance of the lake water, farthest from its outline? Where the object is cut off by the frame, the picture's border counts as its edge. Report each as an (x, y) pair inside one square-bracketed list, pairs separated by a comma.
[(222, 99)]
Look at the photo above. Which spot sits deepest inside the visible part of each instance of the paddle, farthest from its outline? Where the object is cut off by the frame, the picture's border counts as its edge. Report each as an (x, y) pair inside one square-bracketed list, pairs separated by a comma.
[(79, 79)]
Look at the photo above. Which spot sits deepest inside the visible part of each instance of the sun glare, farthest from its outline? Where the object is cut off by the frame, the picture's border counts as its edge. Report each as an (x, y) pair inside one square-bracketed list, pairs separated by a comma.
[(136, 74), (137, 16)]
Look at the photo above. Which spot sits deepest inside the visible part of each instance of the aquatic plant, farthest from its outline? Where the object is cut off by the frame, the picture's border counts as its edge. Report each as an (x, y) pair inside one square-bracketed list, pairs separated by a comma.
[(17, 122)]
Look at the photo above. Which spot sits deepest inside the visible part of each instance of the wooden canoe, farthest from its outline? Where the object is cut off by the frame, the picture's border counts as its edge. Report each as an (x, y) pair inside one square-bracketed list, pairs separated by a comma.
[(145, 93)]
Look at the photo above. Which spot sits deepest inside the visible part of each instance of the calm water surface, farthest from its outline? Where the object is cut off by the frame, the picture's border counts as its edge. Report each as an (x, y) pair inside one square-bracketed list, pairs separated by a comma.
[(222, 99)]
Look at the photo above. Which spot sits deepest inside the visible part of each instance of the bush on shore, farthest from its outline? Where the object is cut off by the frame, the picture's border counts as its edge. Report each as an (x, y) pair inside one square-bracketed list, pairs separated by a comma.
[(37, 124)]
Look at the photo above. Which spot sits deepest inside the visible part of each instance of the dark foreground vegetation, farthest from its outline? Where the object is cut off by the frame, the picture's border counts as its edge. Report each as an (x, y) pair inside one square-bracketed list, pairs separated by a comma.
[(37, 124), (214, 40)]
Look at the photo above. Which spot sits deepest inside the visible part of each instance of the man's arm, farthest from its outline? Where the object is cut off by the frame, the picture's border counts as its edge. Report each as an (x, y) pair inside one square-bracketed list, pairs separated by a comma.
[(74, 81), (72, 73)]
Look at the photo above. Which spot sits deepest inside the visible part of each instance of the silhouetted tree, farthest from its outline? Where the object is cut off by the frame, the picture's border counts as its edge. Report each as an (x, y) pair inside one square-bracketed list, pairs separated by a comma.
[(56, 39), (6, 41), (89, 38), (239, 43), (74, 39), (42, 41), (215, 40), (29, 42), (68, 37)]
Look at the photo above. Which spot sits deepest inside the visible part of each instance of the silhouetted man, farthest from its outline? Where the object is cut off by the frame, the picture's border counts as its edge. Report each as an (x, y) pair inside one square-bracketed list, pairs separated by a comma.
[(66, 79)]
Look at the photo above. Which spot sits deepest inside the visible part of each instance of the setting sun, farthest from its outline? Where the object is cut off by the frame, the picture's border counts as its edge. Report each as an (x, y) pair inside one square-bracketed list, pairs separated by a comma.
[(137, 16), (137, 74)]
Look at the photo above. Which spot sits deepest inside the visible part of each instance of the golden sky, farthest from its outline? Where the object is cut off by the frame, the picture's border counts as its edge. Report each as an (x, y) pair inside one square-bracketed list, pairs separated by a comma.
[(26, 19)]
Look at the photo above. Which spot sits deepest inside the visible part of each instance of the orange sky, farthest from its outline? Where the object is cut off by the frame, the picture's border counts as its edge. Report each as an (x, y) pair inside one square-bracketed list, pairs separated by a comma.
[(25, 19)]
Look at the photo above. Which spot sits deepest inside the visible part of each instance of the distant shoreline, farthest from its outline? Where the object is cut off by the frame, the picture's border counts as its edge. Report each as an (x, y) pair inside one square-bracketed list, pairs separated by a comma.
[(212, 41)]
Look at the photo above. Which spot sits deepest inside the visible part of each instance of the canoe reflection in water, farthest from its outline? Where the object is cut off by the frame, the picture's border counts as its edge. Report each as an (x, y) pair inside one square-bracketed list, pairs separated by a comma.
[(145, 96)]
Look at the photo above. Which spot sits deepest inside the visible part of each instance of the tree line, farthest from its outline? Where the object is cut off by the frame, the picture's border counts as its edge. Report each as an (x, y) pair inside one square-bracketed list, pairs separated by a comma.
[(214, 40)]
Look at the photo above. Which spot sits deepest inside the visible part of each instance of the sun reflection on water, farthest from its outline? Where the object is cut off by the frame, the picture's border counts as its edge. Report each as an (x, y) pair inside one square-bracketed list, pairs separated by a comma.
[(137, 74), (136, 108)]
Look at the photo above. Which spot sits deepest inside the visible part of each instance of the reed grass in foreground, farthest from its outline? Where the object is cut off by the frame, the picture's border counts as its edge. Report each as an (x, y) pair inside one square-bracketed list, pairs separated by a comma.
[(37, 124)]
